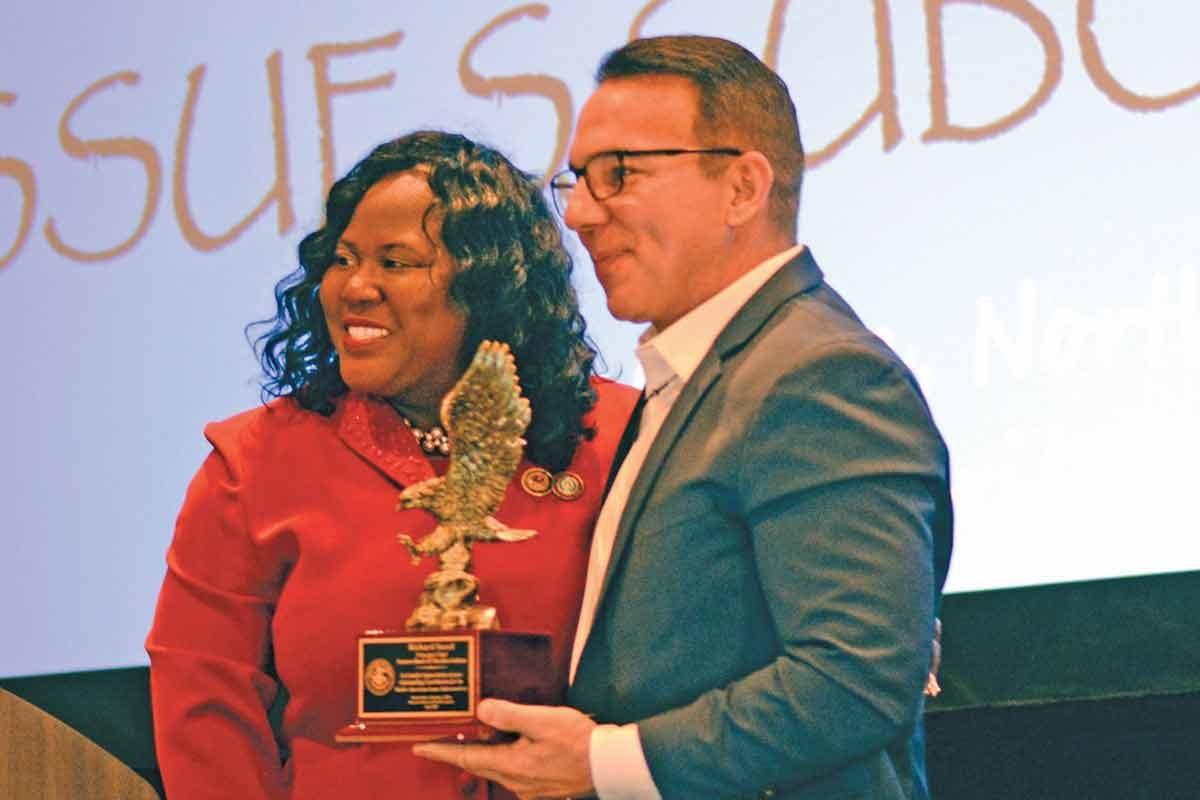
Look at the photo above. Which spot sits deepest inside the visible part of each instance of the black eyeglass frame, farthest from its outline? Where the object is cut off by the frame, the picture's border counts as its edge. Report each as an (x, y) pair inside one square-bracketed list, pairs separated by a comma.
[(581, 172)]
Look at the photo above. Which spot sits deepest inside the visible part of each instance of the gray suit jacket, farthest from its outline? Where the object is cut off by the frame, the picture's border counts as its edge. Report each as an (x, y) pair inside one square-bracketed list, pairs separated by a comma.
[(767, 612)]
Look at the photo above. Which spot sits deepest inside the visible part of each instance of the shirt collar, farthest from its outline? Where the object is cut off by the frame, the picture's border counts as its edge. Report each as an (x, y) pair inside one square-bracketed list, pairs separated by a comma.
[(678, 350)]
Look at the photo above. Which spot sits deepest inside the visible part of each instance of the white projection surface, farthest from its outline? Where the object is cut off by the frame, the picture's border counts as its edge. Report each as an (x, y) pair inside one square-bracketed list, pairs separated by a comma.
[(1005, 189)]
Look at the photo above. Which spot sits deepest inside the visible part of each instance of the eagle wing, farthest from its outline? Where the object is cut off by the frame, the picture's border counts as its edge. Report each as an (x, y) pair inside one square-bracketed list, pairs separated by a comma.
[(485, 416)]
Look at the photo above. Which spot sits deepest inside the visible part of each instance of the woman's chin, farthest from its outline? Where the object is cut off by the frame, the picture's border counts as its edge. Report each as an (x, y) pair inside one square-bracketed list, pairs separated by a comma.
[(366, 383)]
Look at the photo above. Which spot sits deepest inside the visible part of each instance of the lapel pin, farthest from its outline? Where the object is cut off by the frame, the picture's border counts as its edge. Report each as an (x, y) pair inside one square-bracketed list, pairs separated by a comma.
[(536, 481), (567, 486)]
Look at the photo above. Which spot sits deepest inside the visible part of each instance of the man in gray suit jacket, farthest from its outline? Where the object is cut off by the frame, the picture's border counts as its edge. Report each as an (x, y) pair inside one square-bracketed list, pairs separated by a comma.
[(770, 556)]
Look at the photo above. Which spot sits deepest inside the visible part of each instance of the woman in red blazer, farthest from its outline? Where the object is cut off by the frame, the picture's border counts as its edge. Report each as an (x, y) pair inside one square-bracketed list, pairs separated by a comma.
[(286, 546)]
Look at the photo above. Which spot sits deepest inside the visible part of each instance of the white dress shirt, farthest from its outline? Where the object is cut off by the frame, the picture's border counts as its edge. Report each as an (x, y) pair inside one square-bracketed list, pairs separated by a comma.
[(669, 358)]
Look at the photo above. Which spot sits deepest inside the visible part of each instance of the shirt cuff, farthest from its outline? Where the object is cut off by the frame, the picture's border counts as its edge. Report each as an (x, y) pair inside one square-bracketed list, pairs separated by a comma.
[(619, 769)]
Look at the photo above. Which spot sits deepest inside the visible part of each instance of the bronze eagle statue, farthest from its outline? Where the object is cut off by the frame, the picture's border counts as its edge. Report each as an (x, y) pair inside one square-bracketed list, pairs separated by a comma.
[(485, 417)]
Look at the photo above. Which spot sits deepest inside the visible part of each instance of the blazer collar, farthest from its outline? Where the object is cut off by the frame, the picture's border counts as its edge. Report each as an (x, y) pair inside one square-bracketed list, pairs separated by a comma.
[(798, 276), (373, 429)]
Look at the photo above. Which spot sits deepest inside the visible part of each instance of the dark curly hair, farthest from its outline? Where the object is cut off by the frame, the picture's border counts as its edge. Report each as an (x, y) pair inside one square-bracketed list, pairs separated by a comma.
[(513, 279)]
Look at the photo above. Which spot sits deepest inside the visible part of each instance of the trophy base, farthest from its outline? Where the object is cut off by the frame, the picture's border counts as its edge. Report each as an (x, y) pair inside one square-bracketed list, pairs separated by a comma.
[(420, 687), (466, 730)]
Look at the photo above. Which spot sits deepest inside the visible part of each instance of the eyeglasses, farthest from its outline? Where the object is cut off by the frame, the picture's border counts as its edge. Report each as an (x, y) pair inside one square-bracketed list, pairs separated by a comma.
[(605, 172)]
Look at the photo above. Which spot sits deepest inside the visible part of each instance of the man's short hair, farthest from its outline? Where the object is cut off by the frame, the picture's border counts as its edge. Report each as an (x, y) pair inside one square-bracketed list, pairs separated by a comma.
[(743, 104)]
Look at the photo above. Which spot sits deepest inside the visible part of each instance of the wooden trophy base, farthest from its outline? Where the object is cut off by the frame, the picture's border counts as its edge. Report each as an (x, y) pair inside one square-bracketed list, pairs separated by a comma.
[(417, 687)]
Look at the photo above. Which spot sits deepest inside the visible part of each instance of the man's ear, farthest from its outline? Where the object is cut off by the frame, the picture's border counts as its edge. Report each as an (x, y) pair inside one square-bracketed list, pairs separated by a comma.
[(750, 178)]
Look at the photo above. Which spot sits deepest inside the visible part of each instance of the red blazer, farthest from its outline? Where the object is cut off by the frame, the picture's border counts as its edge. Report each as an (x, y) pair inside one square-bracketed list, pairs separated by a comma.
[(285, 550)]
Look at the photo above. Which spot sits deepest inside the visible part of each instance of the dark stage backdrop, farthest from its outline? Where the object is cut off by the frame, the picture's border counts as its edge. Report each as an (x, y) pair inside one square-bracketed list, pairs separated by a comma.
[(1082, 690), (1006, 189)]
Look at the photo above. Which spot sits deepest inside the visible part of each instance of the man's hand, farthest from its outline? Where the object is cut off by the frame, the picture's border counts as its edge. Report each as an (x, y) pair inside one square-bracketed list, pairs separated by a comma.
[(550, 759)]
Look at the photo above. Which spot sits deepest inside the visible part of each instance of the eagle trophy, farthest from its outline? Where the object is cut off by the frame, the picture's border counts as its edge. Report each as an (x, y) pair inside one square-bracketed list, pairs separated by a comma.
[(484, 416)]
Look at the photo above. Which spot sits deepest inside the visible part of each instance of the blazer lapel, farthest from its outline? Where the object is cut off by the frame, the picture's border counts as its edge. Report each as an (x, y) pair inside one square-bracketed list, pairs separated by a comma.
[(632, 425), (799, 275), (689, 397)]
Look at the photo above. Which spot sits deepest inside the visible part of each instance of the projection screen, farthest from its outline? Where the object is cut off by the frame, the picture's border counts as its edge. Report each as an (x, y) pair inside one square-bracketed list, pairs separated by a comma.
[(1005, 189)]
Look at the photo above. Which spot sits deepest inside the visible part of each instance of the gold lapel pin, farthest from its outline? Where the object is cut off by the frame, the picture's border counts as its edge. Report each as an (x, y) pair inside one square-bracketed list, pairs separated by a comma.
[(567, 486), (537, 481)]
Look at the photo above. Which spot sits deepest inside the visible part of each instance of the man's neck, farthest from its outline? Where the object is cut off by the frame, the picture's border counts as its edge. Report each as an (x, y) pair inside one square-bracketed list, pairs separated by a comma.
[(728, 280), (742, 254)]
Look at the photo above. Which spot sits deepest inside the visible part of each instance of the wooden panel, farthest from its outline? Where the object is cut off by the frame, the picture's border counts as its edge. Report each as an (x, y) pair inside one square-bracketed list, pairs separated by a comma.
[(41, 758)]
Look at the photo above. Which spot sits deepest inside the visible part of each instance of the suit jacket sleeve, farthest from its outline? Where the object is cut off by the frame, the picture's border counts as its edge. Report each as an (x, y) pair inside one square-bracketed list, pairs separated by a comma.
[(209, 643), (841, 476)]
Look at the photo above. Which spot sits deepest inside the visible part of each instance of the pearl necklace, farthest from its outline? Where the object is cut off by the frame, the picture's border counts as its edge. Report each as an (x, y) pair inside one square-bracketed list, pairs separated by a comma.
[(433, 441)]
